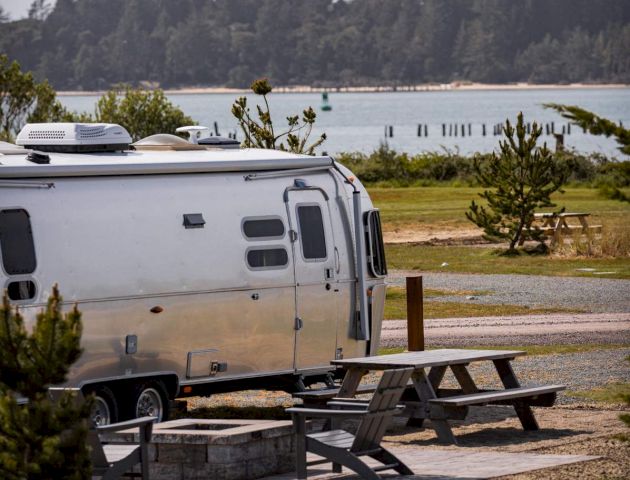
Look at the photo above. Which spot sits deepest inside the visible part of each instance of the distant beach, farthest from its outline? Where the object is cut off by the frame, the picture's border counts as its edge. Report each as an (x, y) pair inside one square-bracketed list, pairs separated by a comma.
[(432, 87)]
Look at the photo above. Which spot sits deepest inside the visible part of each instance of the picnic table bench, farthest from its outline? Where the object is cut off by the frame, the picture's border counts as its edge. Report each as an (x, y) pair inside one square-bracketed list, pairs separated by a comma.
[(428, 401), (555, 224), (320, 397)]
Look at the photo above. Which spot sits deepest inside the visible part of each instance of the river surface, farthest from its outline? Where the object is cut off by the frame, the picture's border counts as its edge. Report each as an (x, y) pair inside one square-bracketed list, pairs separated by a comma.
[(357, 121)]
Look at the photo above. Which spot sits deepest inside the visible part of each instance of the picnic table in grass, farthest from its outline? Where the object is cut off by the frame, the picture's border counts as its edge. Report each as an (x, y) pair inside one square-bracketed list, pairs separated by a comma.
[(556, 224), (428, 401)]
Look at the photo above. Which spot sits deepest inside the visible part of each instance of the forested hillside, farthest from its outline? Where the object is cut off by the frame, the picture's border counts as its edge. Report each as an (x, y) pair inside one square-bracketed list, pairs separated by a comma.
[(92, 44)]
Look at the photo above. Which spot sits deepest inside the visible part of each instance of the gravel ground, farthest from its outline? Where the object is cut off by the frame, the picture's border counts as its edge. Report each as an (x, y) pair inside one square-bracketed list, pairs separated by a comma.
[(578, 371), (587, 294), (614, 464)]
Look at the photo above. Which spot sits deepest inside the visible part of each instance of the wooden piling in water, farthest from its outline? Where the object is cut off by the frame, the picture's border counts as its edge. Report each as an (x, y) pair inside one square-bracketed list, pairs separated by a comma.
[(391, 131), (415, 314), (463, 130), (419, 130), (483, 129), (444, 130), (426, 130)]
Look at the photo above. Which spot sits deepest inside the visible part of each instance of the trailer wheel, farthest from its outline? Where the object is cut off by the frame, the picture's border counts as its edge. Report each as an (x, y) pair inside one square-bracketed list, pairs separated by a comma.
[(151, 400), (105, 409)]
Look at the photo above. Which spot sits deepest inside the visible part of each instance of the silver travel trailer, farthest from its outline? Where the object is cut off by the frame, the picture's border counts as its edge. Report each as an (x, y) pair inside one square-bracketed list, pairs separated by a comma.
[(198, 268)]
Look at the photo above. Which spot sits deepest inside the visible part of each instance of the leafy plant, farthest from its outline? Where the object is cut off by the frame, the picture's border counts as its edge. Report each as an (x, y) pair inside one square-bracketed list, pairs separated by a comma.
[(261, 133), (522, 178), (23, 100), (41, 439), (141, 112)]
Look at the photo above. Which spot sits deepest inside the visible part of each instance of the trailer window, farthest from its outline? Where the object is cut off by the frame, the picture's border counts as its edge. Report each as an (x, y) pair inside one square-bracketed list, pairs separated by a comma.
[(21, 290), (267, 258), (16, 242), (263, 228), (312, 235), (374, 241)]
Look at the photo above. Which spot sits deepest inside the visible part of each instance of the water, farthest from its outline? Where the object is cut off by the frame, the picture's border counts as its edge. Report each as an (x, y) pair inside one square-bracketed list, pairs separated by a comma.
[(357, 121)]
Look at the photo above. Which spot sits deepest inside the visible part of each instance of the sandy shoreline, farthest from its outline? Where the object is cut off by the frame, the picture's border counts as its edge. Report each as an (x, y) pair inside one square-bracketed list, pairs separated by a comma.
[(455, 86)]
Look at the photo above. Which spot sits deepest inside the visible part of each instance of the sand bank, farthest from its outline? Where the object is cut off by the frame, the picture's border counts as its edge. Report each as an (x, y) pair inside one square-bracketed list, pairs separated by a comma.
[(455, 86)]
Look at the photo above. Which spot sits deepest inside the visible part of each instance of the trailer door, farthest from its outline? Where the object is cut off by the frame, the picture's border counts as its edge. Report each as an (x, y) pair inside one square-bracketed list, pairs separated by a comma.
[(314, 262)]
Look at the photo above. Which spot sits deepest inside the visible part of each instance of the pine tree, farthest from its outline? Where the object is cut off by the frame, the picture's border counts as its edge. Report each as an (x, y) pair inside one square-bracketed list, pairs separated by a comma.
[(41, 439), (523, 177)]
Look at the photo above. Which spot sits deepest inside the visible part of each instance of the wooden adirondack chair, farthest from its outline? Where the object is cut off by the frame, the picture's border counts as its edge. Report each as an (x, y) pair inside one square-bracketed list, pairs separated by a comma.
[(341, 447), (114, 460)]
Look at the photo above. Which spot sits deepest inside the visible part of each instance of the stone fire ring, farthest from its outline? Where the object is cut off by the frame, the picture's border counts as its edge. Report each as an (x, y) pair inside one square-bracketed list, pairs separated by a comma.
[(227, 449)]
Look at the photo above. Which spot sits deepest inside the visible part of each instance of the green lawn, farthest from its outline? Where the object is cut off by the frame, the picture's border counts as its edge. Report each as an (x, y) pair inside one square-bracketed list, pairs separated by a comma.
[(487, 260), (615, 393), (420, 206), (436, 207)]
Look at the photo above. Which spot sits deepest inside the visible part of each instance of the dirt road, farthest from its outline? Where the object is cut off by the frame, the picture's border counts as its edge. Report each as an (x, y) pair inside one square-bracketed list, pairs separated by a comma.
[(605, 328)]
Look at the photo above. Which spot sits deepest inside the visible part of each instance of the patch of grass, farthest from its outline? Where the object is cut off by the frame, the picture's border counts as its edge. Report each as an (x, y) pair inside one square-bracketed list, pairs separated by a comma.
[(530, 349), (488, 260), (614, 393), (419, 207), (396, 306)]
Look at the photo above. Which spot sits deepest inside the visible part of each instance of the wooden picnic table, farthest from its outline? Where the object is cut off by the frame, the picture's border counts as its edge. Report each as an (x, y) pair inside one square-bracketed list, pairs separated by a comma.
[(441, 405), (555, 224)]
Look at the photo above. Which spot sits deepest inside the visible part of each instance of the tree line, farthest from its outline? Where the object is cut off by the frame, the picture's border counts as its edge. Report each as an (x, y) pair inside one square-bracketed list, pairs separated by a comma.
[(94, 44)]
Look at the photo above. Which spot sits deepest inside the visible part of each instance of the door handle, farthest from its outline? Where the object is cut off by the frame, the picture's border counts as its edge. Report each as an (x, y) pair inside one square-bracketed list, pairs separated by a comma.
[(337, 262), (299, 323)]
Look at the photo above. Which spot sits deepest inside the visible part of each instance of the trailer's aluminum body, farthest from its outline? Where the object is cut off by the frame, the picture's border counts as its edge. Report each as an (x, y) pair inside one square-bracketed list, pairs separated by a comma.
[(162, 299)]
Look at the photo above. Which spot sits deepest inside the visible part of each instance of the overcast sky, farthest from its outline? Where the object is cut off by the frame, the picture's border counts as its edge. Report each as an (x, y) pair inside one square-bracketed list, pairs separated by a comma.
[(18, 8)]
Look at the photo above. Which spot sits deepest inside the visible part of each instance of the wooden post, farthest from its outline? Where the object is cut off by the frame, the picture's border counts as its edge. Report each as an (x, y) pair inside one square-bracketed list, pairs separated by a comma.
[(415, 314), (426, 130), (483, 129), (444, 130), (559, 142)]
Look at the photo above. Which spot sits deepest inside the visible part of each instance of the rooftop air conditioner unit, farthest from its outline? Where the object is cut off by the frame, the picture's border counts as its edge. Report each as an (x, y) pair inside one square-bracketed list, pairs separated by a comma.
[(74, 137)]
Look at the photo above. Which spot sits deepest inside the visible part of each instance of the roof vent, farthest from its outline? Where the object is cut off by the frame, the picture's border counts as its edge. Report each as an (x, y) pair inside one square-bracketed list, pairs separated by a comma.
[(165, 141), (74, 137)]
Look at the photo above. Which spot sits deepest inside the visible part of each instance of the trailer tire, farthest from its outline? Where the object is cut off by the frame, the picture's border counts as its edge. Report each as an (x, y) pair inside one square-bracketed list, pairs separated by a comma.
[(105, 409), (150, 400)]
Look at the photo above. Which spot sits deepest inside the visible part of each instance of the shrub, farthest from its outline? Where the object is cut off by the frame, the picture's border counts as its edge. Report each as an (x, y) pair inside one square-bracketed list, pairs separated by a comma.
[(41, 439)]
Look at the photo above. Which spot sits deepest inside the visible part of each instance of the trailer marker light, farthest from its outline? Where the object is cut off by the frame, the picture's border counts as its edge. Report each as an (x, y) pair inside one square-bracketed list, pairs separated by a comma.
[(187, 389)]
